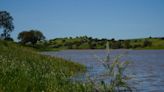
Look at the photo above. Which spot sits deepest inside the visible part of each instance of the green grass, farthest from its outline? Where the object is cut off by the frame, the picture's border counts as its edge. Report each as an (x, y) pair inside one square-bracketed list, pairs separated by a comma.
[(157, 43), (22, 69)]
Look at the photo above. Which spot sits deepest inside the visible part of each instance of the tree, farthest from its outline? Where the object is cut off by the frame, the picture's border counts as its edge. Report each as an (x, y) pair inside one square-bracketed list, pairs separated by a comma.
[(8, 39), (147, 43), (112, 39), (6, 22), (31, 36), (126, 44), (116, 45)]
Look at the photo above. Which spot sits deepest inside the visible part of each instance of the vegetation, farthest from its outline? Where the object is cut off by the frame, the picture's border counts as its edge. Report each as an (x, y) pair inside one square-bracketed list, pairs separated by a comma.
[(32, 36), (6, 22), (24, 70), (84, 42), (115, 72)]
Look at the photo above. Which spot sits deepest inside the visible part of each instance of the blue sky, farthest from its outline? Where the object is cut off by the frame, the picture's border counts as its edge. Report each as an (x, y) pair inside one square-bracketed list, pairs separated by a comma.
[(120, 19)]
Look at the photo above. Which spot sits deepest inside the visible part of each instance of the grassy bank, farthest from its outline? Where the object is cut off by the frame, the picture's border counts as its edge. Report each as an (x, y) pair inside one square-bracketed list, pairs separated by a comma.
[(24, 70)]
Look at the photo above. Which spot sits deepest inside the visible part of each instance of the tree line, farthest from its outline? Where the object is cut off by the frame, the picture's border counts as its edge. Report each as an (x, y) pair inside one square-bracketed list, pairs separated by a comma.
[(84, 42), (30, 36)]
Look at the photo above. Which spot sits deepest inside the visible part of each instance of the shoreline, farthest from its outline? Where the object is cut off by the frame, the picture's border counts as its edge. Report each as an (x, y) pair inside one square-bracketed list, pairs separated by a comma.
[(56, 50)]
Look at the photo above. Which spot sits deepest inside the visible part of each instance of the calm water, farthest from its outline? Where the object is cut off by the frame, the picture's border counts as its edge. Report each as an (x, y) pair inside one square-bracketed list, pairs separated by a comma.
[(146, 66)]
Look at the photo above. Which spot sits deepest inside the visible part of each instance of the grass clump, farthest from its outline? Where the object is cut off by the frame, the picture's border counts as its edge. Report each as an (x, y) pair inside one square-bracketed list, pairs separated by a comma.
[(116, 79)]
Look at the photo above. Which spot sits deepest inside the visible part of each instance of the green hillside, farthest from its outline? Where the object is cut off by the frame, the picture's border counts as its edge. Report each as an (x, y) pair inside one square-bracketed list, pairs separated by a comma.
[(24, 70), (156, 43), (84, 42)]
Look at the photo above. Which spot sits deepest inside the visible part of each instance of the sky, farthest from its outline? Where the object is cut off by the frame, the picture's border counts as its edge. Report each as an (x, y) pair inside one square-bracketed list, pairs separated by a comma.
[(119, 19)]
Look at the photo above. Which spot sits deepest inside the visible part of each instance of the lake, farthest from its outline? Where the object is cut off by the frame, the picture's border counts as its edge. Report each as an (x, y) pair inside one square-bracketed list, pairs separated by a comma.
[(146, 66)]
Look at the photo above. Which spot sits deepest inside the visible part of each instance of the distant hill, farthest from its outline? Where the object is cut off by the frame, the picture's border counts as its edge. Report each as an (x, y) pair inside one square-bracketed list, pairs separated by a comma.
[(84, 42)]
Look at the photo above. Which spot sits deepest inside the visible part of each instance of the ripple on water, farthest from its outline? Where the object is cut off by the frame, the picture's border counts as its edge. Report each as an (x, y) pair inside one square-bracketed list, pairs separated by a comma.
[(146, 66)]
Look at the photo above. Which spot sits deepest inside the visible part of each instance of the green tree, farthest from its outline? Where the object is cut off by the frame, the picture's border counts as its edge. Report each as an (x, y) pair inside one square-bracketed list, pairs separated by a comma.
[(31, 36), (116, 45), (6, 22), (147, 43), (126, 44)]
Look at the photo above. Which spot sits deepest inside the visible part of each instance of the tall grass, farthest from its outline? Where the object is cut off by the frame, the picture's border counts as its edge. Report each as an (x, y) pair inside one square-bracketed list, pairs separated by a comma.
[(114, 73), (24, 70)]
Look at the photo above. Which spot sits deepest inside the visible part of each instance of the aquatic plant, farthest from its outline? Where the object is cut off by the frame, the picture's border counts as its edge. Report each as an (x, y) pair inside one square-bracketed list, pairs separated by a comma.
[(115, 73)]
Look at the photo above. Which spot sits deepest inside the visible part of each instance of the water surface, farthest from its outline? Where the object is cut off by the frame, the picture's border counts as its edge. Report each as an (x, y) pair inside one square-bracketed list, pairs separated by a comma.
[(146, 66)]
